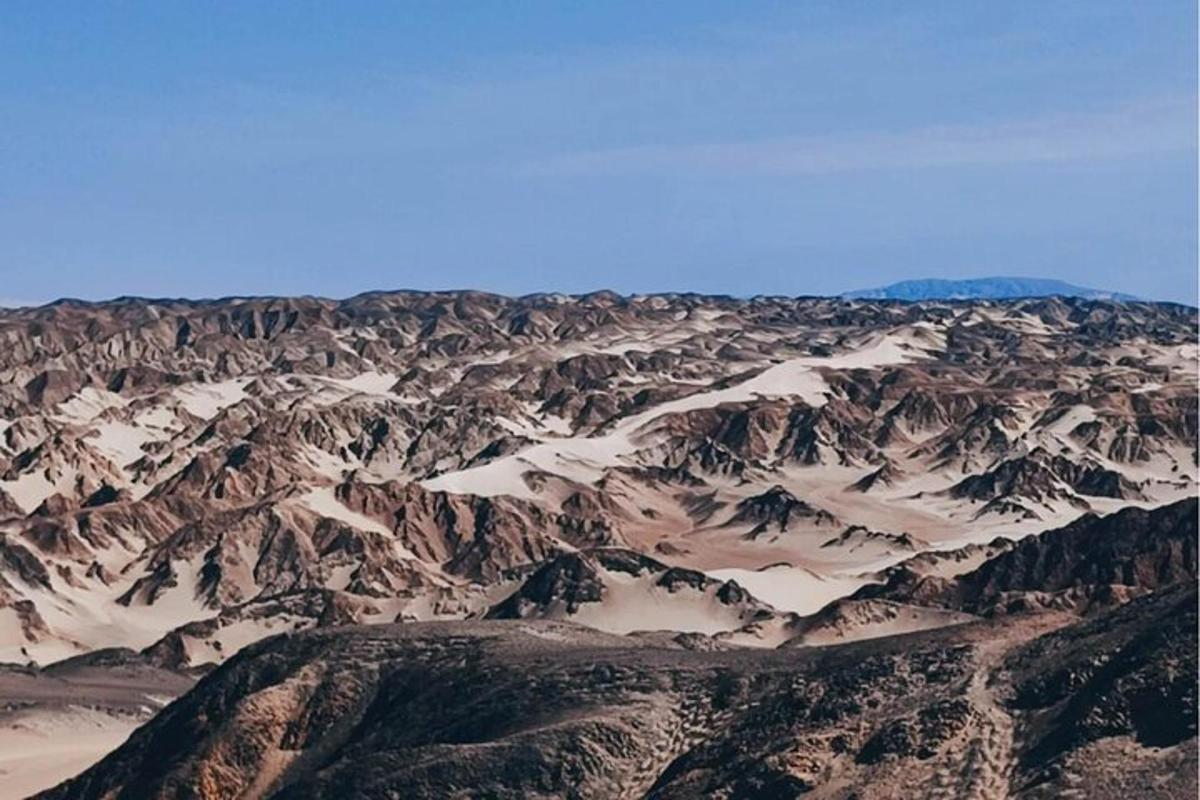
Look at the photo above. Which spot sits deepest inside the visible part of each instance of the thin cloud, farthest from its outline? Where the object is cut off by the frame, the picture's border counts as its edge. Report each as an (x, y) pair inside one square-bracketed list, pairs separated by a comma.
[(1137, 130)]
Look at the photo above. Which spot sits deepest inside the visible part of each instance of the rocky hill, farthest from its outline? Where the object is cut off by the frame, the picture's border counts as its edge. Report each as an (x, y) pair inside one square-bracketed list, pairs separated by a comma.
[(548, 710), (983, 288), (1094, 561)]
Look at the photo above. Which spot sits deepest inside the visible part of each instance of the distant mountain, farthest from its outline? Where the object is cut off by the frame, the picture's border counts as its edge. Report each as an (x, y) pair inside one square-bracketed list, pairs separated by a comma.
[(982, 289)]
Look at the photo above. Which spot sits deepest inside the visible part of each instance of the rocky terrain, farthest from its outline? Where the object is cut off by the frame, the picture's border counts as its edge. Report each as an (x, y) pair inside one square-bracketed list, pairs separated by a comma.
[(185, 478), (542, 709), (1071, 700), (212, 472), (1094, 561)]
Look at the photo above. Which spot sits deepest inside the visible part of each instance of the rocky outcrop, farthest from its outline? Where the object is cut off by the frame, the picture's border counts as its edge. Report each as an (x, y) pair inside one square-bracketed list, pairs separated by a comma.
[(857, 536), (623, 590), (1093, 562), (776, 510)]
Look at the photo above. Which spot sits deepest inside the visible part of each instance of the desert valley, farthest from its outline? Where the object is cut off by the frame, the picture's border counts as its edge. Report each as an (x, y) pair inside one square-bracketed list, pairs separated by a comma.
[(458, 544)]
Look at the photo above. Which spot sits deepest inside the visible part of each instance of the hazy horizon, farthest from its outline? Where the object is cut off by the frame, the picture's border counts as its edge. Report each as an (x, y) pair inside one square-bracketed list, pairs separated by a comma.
[(464, 290)]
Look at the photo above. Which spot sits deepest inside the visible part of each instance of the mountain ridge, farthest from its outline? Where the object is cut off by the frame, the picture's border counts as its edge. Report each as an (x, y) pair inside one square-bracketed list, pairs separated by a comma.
[(182, 480), (914, 289), (991, 288)]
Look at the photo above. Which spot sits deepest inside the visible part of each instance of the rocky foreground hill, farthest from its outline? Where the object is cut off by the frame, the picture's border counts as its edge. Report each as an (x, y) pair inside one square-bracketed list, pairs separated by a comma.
[(1101, 708), (993, 487)]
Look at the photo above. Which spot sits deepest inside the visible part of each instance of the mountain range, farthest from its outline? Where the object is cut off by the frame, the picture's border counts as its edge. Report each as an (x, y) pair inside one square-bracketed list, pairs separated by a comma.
[(1000, 288), (460, 544)]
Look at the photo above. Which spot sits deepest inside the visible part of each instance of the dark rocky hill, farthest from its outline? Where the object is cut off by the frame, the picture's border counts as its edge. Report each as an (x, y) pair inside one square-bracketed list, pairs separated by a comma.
[(1094, 560), (548, 710)]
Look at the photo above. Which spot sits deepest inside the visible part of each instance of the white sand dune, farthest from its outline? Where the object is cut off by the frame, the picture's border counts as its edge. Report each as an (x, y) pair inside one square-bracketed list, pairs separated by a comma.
[(205, 400), (30, 489), (584, 459), (43, 748), (324, 502), (790, 588), (88, 403)]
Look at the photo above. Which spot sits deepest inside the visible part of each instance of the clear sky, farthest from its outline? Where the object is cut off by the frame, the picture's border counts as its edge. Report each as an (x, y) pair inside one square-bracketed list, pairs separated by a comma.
[(219, 148)]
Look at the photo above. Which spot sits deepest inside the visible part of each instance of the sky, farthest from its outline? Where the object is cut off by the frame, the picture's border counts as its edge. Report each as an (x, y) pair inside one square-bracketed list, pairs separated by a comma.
[(208, 149)]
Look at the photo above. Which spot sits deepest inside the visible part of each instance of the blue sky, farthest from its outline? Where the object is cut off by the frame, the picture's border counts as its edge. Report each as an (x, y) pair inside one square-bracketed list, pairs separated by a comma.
[(209, 149)]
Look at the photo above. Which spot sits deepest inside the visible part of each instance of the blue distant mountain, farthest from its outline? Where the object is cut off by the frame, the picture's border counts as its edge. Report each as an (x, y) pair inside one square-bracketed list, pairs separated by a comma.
[(982, 289)]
